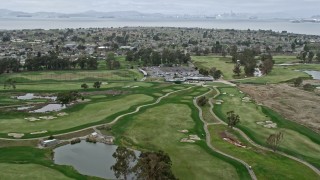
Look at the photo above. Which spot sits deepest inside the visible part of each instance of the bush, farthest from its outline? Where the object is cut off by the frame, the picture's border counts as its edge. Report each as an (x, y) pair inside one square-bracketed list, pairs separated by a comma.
[(308, 87)]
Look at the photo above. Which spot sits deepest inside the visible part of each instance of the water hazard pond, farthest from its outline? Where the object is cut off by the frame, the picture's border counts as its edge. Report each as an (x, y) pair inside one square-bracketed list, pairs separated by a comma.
[(88, 158), (314, 74)]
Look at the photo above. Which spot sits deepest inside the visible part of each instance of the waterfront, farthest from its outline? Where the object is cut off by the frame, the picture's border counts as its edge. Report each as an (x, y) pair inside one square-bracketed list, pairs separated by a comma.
[(275, 25)]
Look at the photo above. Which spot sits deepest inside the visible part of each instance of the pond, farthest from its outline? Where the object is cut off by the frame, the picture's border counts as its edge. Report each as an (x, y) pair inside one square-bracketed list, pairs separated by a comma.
[(314, 74), (88, 158), (30, 96), (50, 108)]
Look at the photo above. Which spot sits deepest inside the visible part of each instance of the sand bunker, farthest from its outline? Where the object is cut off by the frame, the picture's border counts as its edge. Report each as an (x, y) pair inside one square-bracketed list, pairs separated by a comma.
[(47, 117), (39, 132), (183, 131), (31, 119), (62, 114), (246, 99), (16, 135), (191, 139), (267, 124)]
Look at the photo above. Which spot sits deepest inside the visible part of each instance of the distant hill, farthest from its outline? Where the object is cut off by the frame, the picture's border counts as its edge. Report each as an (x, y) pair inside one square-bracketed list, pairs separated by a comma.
[(93, 14)]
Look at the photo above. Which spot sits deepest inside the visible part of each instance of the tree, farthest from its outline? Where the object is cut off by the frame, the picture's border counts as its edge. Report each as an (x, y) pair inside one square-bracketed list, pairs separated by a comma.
[(293, 46), (97, 84), (67, 97), (310, 56), (84, 86), (111, 56), (233, 119), (267, 63), (247, 58), (123, 158), (237, 69), (9, 83), (234, 53), (217, 74), (308, 87), (274, 140), (202, 101), (154, 166), (318, 57), (204, 72), (297, 82)]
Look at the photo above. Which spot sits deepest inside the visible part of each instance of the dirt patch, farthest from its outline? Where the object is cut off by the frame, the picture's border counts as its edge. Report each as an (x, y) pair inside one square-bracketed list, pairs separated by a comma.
[(291, 102), (226, 136), (108, 92)]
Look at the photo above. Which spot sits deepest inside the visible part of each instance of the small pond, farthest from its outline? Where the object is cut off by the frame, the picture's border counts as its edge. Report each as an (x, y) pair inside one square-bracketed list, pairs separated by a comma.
[(88, 158), (314, 74), (30, 96), (50, 108)]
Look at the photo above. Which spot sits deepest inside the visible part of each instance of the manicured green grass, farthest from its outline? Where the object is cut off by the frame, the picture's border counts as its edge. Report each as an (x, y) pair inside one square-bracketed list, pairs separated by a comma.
[(73, 75), (32, 163), (64, 86), (224, 64), (285, 59), (265, 164), (206, 114), (298, 140), (27, 171), (156, 128), (78, 115), (277, 75)]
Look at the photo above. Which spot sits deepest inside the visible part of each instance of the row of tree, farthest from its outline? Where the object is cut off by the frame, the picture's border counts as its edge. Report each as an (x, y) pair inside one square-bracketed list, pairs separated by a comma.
[(9, 64), (248, 59), (53, 62), (149, 57), (149, 165)]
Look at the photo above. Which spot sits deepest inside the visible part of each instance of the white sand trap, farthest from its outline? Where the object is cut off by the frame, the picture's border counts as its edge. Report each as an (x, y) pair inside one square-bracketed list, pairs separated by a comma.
[(194, 137), (183, 131), (218, 103), (187, 140), (224, 93), (134, 86), (246, 99), (47, 117), (16, 135), (62, 114), (267, 124), (32, 119), (39, 132)]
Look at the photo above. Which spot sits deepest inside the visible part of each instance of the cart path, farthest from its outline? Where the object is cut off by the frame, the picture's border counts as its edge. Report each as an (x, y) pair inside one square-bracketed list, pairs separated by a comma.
[(316, 170), (208, 138), (110, 123)]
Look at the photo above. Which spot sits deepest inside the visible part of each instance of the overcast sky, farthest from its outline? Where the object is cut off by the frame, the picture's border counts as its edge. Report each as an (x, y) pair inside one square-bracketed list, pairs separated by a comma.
[(301, 7)]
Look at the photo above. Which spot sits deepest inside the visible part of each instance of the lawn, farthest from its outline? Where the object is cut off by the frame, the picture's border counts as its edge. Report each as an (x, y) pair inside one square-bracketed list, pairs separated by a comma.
[(265, 164), (156, 128), (31, 163), (81, 114), (278, 74), (298, 140), (285, 59), (224, 64), (63, 86), (73, 75), (27, 171)]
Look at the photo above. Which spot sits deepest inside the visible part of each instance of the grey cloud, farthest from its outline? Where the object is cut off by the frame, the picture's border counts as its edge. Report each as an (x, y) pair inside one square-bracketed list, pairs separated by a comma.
[(165, 6)]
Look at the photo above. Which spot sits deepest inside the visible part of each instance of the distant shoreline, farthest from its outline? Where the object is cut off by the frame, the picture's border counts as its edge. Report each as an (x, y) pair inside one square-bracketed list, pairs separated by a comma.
[(242, 24)]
